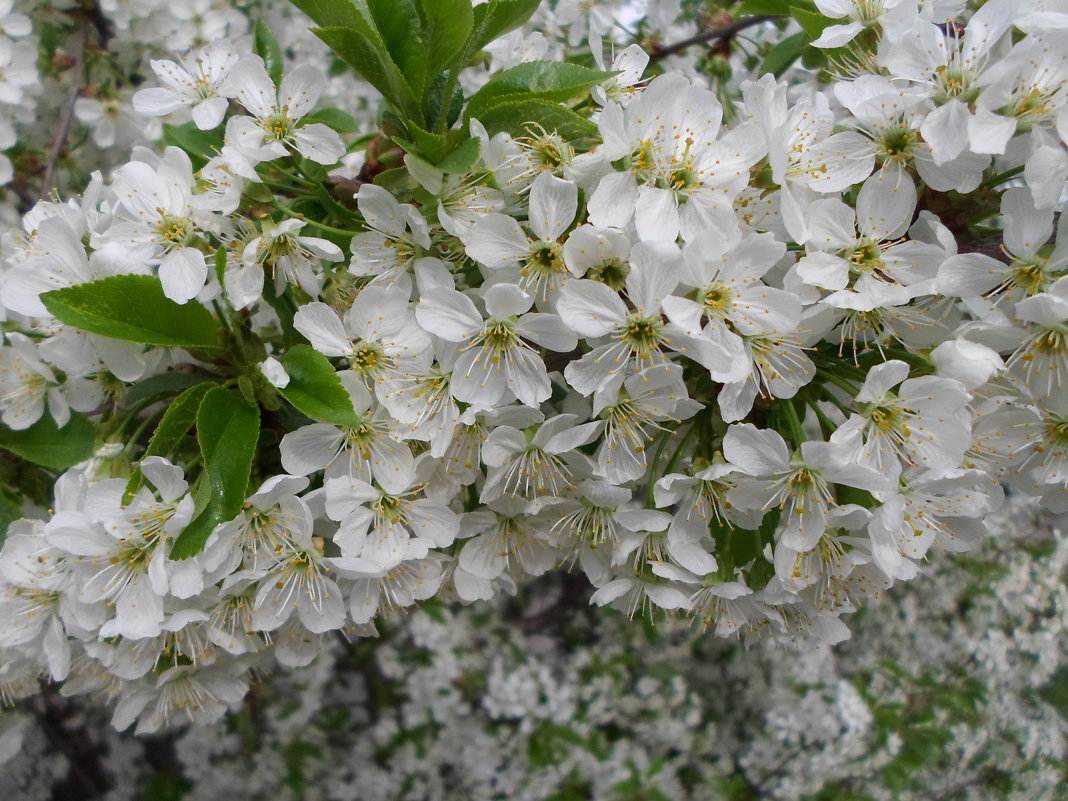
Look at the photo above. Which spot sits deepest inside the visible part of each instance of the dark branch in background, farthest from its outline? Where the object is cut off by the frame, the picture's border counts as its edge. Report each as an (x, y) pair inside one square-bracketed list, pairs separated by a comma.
[(724, 33), (66, 114), (87, 16), (58, 720), (99, 20)]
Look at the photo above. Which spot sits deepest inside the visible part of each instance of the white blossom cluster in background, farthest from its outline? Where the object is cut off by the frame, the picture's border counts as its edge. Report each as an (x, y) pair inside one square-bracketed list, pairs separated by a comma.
[(475, 703), (724, 361), (19, 81)]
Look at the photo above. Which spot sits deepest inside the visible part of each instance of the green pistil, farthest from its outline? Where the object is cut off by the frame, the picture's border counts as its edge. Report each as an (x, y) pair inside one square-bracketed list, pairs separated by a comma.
[(802, 482), (682, 178), (389, 508), (367, 359), (279, 246), (361, 438), (642, 334), (279, 126), (1033, 104), (500, 336), (865, 257), (134, 556), (897, 143), (548, 149), (716, 299), (611, 272), (544, 260), (150, 524), (1029, 275), (1052, 341), (955, 84), (642, 162), (173, 230), (888, 420), (1057, 431)]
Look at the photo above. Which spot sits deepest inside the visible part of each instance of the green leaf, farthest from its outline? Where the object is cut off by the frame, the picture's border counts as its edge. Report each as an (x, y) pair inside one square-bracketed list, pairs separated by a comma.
[(220, 264), (265, 45), (335, 118), (284, 307), (171, 429), (1055, 693), (435, 106), (785, 53), (161, 384), (764, 8), (811, 22), (402, 33), (330, 12), (133, 308), (199, 145), (366, 53), (494, 19), (48, 445), (399, 182), (335, 209), (228, 429), (315, 389), (518, 116), (312, 170), (430, 147), (548, 80), (462, 158), (446, 28), (10, 511)]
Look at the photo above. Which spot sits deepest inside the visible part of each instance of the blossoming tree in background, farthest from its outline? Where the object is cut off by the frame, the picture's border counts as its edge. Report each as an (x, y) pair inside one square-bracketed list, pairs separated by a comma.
[(738, 312)]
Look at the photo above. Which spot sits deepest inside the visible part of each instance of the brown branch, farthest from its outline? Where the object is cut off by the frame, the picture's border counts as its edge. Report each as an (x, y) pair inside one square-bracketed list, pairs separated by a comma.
[(724, 33), (66, 117)]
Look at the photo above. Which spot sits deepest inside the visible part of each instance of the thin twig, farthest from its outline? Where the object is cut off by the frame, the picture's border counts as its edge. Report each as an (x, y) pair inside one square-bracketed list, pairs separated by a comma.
[(66, 117), (725, 32)]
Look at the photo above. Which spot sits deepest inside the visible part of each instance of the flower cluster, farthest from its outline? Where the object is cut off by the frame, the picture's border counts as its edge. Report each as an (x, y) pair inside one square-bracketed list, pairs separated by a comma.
[(736, 361), (539, 699), (18, 78)]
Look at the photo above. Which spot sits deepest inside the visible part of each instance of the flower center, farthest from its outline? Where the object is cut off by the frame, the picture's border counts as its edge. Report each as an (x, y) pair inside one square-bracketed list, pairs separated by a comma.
[(548, 150), (897, 142), (865, 257), (361, 438), (500, 336), (955, 83), (173, 230), (389, 508), (643, 161), (367, 359), (642, 333), (717, 298), (612, 272), (1029, 275), (278, 126), (544, 260)]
